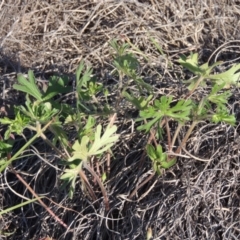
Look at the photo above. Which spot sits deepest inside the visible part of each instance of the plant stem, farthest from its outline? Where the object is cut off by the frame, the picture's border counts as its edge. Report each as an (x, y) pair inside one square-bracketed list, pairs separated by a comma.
[(168, 135), (150, 139), (85, 181), (176, 133), (43, 136), (201, 78), (19, 152), (39, 199), (100, 185), (186, 136)]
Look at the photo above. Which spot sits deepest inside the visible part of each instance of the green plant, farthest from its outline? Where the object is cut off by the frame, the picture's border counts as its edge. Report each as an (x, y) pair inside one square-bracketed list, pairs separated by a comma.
[(159, 158), (156, 114), (203, 73), (83, 151), (44, 112), (126, 65)]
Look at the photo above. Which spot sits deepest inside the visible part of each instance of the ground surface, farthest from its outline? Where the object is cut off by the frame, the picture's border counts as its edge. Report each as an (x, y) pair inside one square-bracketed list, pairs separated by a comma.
[(193, 200)]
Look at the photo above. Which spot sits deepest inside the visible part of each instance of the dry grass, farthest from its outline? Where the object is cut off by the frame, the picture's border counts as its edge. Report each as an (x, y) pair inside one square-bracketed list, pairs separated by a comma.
[(195, 200)]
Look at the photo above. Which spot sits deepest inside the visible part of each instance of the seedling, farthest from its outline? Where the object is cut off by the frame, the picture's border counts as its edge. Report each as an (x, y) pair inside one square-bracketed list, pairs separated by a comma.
[(159, 158)]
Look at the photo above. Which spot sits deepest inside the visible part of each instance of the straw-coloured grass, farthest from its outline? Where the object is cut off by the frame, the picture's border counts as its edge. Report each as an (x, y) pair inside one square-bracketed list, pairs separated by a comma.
[(193, 200)]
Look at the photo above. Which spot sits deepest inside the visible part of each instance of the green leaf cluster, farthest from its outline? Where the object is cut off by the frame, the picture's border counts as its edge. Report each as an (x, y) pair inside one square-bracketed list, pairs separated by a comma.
[(163, 108), (16, 125), (86, 89), (42, 107), (159, 158), (127, 65), (210, 107), (84, 149), (226, 79), (56, 85)]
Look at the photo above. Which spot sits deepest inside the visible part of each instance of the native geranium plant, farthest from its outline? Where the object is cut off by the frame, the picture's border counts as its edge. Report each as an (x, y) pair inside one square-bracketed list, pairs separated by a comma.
[(83, 151), (43, 111), (155, 115)]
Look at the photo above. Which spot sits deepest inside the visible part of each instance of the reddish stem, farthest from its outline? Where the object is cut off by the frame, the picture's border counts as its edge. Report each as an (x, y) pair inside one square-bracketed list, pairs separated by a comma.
[(39, 199)]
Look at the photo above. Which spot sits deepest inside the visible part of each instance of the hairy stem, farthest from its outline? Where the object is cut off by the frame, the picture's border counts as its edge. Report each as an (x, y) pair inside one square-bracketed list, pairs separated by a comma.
[(183, 143), (176, 133), (43, 136), (19, 152), (100, 185), (201, 78), (89, 188), (168, 135), (150, 139), (39, 199)]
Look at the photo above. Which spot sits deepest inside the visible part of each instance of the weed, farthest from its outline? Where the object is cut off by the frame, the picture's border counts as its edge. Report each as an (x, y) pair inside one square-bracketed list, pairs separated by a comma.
[(156, 114), (44, 112)]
